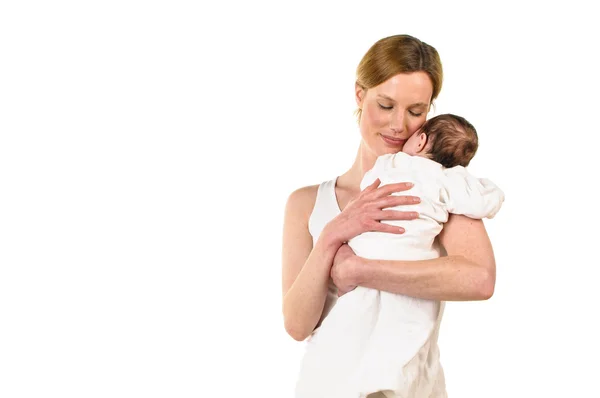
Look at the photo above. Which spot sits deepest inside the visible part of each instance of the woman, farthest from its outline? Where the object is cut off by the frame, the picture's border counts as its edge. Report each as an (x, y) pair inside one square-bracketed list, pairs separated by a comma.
[(397, 80)]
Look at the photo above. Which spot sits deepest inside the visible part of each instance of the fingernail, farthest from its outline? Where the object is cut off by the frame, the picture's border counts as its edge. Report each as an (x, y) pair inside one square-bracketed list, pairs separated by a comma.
[(410, 184), (402, 230), (416, 200)]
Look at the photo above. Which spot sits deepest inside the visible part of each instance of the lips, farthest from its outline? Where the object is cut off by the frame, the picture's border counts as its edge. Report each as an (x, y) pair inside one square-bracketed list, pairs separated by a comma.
[(395, 142)]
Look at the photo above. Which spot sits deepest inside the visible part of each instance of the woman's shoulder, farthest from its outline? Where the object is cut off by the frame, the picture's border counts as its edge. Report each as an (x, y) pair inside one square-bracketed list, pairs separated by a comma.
[(302, 200)]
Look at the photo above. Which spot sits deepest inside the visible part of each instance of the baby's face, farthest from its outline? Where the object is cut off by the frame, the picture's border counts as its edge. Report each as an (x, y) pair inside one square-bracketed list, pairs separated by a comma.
[(411, 146)]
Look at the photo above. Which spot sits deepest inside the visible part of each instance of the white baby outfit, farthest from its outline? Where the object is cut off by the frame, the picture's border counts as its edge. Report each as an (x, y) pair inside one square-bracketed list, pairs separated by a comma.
[(370, 340)]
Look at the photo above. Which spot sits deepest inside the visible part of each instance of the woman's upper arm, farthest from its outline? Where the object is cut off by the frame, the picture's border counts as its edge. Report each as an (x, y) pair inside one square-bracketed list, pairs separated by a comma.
[(467, 237), (297, 240)]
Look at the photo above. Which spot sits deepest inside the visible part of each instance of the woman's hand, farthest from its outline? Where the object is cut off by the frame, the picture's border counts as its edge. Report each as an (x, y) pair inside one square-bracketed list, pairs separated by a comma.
[(342, 270), (364, 213)]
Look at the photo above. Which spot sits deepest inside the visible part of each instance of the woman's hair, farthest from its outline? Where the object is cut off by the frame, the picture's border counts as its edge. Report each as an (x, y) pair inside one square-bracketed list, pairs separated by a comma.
[(399, 54), (451, 140)]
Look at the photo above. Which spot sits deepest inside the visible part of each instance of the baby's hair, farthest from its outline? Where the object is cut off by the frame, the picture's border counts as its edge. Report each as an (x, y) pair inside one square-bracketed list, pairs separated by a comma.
[(451, 139)]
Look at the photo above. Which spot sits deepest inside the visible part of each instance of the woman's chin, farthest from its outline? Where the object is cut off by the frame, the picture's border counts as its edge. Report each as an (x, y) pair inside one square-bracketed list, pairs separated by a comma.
[(387, 150)]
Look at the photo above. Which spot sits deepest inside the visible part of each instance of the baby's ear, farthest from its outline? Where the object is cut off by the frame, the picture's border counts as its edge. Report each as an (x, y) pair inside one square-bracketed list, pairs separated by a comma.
[(422, 141)]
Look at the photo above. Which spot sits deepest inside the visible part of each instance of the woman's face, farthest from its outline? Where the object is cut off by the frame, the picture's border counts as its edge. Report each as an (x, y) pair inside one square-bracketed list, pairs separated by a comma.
[(393, 111)]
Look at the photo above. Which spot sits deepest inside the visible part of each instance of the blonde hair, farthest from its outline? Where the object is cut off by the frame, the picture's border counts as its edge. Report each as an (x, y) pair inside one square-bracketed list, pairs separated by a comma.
[(398, 54)]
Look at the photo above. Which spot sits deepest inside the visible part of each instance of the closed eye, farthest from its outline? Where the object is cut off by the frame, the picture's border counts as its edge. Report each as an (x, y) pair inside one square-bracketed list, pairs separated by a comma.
[(387, 108)]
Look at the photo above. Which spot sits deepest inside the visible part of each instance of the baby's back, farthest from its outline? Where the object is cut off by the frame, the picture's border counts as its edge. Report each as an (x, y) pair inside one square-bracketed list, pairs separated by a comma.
[(418, 242)]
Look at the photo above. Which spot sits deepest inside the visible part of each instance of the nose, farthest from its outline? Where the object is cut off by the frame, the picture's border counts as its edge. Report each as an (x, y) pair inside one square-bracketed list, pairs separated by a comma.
[(397, 122)]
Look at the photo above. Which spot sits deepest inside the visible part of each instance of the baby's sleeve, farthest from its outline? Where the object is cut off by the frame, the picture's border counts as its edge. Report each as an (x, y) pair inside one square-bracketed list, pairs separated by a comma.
[(466, 194)]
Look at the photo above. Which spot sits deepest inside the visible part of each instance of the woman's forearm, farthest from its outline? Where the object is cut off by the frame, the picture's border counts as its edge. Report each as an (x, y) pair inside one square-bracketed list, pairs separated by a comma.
[(467, 273), (304, 302), (450, 278)]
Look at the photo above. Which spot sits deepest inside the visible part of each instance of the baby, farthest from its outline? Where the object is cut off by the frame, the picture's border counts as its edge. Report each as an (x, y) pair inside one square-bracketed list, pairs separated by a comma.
[(374, 340)]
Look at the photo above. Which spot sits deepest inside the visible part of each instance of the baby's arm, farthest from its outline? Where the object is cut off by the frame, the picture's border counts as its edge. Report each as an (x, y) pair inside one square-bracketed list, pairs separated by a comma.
[(466, 194)]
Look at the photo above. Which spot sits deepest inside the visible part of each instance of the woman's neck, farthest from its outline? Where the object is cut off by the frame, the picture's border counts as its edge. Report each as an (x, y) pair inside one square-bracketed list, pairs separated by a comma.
[(364, 161)]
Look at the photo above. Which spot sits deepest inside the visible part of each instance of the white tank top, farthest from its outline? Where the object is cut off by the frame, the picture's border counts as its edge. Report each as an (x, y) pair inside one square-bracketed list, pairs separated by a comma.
[(326, 208)]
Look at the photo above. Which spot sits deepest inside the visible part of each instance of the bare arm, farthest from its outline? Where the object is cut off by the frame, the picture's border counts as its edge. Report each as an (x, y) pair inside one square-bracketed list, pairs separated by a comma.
[(305, 272), (467, 273)]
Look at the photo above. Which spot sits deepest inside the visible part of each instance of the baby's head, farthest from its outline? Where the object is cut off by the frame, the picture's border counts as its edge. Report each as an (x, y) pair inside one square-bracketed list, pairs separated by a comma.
[(446, 139)]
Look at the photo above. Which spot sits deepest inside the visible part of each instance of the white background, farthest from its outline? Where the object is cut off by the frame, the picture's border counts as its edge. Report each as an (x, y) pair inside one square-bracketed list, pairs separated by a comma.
[(147, 150)]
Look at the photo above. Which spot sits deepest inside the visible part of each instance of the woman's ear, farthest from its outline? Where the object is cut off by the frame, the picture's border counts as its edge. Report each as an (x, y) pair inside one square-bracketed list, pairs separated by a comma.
[(359, 94)]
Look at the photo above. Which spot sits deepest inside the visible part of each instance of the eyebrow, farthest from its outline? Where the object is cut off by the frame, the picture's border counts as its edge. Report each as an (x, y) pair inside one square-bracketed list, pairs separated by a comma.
[(391, 99)]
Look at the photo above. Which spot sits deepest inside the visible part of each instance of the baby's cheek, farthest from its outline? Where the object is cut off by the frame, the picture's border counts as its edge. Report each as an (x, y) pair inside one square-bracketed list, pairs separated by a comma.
[(408, 148)]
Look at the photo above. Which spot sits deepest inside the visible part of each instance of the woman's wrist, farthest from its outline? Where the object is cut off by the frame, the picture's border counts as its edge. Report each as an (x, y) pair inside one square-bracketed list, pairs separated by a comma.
[(330, 240)]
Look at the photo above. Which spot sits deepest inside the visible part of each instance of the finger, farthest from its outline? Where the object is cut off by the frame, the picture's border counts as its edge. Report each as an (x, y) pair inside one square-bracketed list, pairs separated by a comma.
[(397, 215), (383, 227), (373, 186), (393, 200), (391, 188)]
